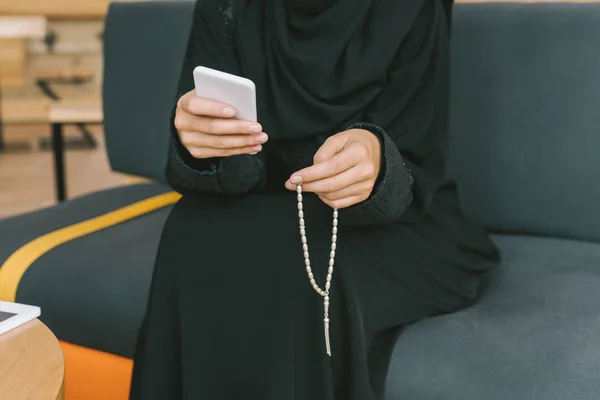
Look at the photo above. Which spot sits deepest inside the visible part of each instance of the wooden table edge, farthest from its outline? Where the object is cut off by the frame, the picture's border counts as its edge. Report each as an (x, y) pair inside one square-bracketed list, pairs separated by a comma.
[(49, 339)]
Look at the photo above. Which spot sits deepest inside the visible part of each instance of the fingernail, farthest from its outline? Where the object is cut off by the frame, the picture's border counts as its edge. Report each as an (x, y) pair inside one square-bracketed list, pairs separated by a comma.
[(228, 112), (290, 185), (262, 138), (296, 179), (256, 149), (254, 128)]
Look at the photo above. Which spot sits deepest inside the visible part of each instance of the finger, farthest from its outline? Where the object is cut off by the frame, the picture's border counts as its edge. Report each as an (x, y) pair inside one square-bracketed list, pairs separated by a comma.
[(330, 148), (218, 126), (334, 166), (196, 105), (334, 183), (364, 187), (201, 139), (345, 202), (206, 152)]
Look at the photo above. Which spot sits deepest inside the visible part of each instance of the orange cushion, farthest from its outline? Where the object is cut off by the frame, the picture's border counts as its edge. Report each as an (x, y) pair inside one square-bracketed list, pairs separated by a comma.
[(95, 375)]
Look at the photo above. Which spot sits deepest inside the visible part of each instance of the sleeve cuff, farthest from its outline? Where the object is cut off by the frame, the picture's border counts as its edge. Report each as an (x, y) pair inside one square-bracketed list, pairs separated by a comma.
[(184, 178), (392, 194), (208, 166), (225, 175), (186, 173)]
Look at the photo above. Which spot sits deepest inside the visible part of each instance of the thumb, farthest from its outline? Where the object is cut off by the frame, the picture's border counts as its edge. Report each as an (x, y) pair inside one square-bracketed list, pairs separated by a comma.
[(330, 148)]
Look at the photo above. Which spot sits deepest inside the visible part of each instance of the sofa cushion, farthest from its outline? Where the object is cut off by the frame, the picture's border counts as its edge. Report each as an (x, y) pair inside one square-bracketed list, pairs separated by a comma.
[(142, 62), (533, 336), (525, 122), (92, 289)]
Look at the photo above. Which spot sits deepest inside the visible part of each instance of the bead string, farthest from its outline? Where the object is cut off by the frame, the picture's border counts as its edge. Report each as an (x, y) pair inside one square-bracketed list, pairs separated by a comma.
[(311, 277)]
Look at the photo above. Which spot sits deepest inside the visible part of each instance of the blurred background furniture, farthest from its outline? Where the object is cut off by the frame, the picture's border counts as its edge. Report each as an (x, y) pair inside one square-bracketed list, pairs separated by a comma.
[(58, 9), (32, 364), (73, 77), (14, 33), (59, 115), (62, 62), (524, 137)]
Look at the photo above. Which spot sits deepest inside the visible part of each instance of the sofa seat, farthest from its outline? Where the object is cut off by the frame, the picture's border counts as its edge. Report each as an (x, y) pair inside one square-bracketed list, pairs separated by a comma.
[(88, 264), (533, 336)]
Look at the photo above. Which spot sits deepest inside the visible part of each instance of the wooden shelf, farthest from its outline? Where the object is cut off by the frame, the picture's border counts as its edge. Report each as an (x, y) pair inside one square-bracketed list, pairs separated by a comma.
[(22, 27), (29, 105), (58, 9)]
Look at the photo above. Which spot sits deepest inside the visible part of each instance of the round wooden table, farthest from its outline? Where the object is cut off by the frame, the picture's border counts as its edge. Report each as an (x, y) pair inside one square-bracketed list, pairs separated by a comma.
[(31, 364)]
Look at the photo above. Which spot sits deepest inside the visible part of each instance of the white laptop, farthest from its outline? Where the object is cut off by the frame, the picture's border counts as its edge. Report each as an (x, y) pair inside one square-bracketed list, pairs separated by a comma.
[(14, 314)]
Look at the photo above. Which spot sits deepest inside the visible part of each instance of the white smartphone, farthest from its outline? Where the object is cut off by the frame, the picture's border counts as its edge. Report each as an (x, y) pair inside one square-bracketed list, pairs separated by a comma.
[(238, 92)]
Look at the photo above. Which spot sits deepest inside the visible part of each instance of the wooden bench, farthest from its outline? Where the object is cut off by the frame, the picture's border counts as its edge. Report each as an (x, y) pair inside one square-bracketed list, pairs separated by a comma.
[(59, 115), (70, 76), (77, 74)]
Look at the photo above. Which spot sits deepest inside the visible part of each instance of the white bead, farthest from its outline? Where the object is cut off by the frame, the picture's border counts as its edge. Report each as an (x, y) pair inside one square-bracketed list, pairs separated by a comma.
[(313, 282), (335, 222), (306, 255), (303, 239), (302, 231), (328, 286), (335, 214), (299, 197), (334, 238), (328, 278), (332, 254), (300, 214), (299, 189), (331, 262), (334, 230), (308, 269), (333, 246), (301, 222), (330, 270), (300, 206), (311, 276), (305, 247), (307, 262), (316, 287)]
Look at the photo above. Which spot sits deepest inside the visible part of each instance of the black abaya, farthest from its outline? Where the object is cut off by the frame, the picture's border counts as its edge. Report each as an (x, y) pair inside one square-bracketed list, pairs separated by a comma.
[(231, 312), (232, 315)]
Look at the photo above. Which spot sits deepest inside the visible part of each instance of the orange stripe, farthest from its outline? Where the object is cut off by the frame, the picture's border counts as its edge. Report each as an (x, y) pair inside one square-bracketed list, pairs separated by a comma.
[(95, 375)]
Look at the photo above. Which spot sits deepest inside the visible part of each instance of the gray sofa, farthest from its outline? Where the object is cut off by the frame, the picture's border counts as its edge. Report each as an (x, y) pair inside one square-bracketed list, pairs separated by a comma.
[(525, 139)]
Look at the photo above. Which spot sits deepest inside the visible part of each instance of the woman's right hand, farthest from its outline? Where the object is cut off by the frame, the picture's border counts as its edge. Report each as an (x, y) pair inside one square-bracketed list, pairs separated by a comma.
[(208, 129)]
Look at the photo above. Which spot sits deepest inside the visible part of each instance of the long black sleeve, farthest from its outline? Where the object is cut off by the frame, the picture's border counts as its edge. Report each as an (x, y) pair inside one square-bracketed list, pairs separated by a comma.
[(392, 194), (188, 175), (225, 175)]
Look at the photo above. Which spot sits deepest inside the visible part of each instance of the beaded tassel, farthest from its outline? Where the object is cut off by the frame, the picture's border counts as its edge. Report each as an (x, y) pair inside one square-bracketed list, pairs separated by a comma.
[(311, 277), (326, 323)]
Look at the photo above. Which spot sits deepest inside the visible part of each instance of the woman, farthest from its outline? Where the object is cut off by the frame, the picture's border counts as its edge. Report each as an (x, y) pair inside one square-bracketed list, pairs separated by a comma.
[(353, 108)]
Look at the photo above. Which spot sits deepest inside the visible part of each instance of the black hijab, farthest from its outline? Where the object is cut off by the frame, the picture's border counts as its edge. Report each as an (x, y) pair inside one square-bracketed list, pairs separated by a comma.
[(320, 65)]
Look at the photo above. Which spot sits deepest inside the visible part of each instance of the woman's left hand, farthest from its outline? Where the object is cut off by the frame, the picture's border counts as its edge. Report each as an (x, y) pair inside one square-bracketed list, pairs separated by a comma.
[(345, 169)]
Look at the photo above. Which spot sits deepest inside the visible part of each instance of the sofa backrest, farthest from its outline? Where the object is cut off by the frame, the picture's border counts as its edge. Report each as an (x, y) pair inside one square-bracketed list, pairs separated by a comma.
[(525, 120), (144, 44), (525, 123)]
